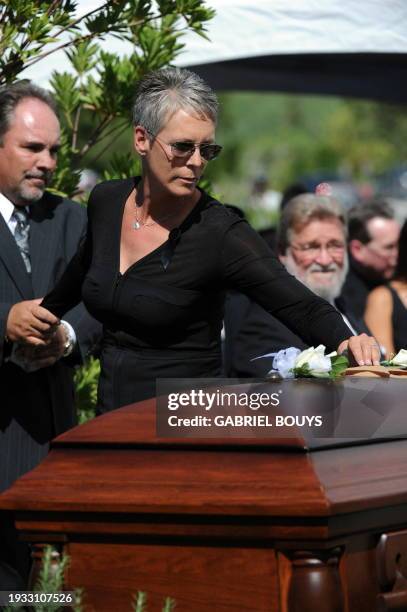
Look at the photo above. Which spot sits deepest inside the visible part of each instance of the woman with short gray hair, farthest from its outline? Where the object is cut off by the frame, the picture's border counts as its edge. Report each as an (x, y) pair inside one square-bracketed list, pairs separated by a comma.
[(163, 92), (160, 254)]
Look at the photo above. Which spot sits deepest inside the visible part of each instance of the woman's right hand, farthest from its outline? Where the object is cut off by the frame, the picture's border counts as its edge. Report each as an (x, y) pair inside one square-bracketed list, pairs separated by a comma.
[(30, 323)]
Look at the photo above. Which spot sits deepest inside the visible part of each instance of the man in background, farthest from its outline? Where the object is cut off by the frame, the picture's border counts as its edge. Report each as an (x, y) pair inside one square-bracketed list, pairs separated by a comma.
[(373, 248), (39, 234), (311, 243)]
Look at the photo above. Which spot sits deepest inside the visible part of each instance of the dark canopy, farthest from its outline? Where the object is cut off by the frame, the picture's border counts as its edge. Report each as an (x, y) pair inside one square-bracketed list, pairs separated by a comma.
[(339, 47), (377, 76)]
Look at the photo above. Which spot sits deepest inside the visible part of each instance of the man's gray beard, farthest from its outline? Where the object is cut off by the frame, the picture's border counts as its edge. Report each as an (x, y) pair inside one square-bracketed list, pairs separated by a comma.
[(30, 195), (327, 291)]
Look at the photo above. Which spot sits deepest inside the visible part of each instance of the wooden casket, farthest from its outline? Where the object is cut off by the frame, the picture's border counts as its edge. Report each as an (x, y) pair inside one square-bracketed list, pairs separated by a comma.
[(293, 521)]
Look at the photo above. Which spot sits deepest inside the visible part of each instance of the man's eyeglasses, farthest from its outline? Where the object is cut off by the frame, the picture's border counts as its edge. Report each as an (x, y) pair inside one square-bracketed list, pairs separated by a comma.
[(312, 249), (186, 148)]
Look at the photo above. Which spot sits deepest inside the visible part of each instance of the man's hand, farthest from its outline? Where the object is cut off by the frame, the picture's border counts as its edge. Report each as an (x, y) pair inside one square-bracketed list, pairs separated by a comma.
[(30, 323), (33, 358), (363, 350)]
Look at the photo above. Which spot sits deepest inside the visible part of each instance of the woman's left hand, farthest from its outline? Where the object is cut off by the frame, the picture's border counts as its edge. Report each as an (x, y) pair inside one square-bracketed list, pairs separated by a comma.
[(362, 349)]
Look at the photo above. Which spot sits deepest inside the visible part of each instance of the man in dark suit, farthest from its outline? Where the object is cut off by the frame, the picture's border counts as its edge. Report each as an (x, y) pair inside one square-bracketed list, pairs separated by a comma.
[(373, 247), (311, 243), (39, 233)]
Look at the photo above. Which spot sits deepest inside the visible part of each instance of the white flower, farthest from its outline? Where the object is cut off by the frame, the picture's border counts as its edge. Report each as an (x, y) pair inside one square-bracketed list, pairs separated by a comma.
[(288, 362), (284, 361), (320, 366), (318, 363), (306, 355), (400, 359)]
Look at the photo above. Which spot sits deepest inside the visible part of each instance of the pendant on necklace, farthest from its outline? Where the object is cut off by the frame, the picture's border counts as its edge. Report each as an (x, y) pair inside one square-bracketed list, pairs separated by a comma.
[(136, 225)]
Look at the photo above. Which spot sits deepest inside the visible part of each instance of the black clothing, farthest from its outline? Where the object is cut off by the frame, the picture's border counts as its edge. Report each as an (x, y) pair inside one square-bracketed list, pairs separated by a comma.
[(357, 286), (250, 331), (163, 316), (399, 321), (36, 406)]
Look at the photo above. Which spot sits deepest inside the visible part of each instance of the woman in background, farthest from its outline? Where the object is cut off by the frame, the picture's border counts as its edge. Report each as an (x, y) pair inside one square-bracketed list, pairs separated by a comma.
[(386, 308)]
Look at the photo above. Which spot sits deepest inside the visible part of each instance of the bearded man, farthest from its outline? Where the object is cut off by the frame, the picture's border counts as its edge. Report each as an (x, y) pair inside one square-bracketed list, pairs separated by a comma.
[(311, 243)]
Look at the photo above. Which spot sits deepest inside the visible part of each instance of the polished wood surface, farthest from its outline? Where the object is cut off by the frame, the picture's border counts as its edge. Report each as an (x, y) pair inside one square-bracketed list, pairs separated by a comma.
[(271, 525)]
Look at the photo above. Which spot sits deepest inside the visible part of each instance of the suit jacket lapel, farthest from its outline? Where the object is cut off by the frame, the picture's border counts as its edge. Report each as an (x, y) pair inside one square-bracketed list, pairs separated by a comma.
[(11, 256), (43, 244), (358, 324)]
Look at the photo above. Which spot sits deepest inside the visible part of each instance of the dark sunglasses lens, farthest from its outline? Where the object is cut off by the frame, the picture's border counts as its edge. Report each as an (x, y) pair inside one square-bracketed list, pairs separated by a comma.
[(210, 151), (207, 151), (182, 148)]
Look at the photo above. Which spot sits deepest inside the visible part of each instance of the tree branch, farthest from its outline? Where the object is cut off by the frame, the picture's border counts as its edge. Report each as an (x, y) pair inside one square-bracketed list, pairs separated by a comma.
[(73, 41), (63, 46), (76, 40), (93, 138), (52, 6), (108, 145), (106, 134), (76, 127), (79, 19), (85, 37)]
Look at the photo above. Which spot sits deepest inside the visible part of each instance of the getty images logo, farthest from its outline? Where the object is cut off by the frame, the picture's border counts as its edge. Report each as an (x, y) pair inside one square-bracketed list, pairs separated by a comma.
[(222, 399)]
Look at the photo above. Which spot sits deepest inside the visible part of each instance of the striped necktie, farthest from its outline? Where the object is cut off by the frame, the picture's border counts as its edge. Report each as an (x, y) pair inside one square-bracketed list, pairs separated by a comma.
[(22, 234)]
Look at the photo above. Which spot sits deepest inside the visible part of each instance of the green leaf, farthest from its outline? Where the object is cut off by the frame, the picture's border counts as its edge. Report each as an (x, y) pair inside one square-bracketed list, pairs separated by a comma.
[(339, 364), (302, 372), (169, 605), (122, 166), (140, 601), (51, 578), (66, 94), (84, 56), (86, 382)]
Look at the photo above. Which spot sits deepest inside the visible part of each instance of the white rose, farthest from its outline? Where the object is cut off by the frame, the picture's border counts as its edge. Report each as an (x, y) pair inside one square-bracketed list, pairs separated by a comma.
[(318, 363), (320, 366), (306, 355), (400, 359)]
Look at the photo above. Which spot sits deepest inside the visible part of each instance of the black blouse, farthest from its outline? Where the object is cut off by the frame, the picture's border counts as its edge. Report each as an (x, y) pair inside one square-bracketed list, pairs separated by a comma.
[(399, 321), (173, 297)]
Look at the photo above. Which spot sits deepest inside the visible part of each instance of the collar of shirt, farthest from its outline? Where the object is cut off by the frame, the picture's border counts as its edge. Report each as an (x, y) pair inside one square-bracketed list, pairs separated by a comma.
[(6, 211)]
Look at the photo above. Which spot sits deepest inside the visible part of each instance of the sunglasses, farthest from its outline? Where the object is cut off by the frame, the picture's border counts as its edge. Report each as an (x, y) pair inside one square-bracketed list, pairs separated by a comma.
[(186, 148)]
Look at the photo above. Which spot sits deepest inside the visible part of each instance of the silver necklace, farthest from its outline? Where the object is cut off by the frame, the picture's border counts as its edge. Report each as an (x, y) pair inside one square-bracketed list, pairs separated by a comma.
[(138, 224)]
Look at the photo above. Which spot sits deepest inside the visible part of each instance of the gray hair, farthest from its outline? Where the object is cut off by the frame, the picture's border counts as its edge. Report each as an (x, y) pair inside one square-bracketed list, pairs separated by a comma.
[(303, 209), (12, 95), (163, 92)]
